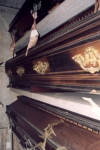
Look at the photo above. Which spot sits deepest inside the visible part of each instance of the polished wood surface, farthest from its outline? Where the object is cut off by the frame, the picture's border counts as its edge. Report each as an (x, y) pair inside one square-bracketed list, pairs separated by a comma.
[(23, 20), (33, 120), (66, 59)]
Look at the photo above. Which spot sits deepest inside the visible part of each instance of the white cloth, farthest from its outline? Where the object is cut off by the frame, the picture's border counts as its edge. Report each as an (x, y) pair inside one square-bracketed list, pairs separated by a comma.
[(34, 33)]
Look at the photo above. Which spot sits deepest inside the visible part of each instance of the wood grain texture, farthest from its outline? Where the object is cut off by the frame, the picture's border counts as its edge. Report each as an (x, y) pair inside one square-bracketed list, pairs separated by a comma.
[(71, 8), (33, 120), (79, 37), (23, 20)]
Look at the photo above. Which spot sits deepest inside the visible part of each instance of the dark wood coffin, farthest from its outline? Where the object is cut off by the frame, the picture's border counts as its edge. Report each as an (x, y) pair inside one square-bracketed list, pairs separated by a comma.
[(40, 125), (66, 59), (23, 21)]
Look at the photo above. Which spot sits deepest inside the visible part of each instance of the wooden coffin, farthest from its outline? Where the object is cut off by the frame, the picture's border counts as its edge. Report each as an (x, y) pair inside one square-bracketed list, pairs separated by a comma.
[(23, 21), (66, 59), (47, 127)]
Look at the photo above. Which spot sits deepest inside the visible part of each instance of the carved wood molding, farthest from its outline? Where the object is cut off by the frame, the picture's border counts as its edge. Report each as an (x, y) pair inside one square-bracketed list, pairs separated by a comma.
[(67, 66), (76, 119), (59, 130)]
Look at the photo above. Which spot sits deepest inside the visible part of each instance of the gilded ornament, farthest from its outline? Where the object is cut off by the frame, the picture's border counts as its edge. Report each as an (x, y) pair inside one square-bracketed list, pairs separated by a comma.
[(41, 144), (9, 72), (41, 67), (48, 131), (61, 148), (20, 71), (90, 62), (47, 134)]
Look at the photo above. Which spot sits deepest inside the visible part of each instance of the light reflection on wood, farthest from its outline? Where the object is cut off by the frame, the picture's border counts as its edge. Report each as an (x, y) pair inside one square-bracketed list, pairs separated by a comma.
[(48, 131)]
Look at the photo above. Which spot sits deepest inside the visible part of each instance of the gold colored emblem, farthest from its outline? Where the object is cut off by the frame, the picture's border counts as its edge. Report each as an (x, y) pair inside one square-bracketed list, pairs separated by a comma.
[(9, 72), (90, 62), (48, 131), (20, 71), (41, 67), (61, 148), (47, 134)]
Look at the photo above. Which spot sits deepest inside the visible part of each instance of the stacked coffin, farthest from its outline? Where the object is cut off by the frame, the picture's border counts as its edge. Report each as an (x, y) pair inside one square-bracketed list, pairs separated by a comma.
[(65, 59), (42, 126)]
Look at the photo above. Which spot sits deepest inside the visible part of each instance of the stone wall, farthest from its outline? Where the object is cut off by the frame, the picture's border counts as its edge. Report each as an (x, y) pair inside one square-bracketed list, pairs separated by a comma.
[(6, 96), (5, 142)]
